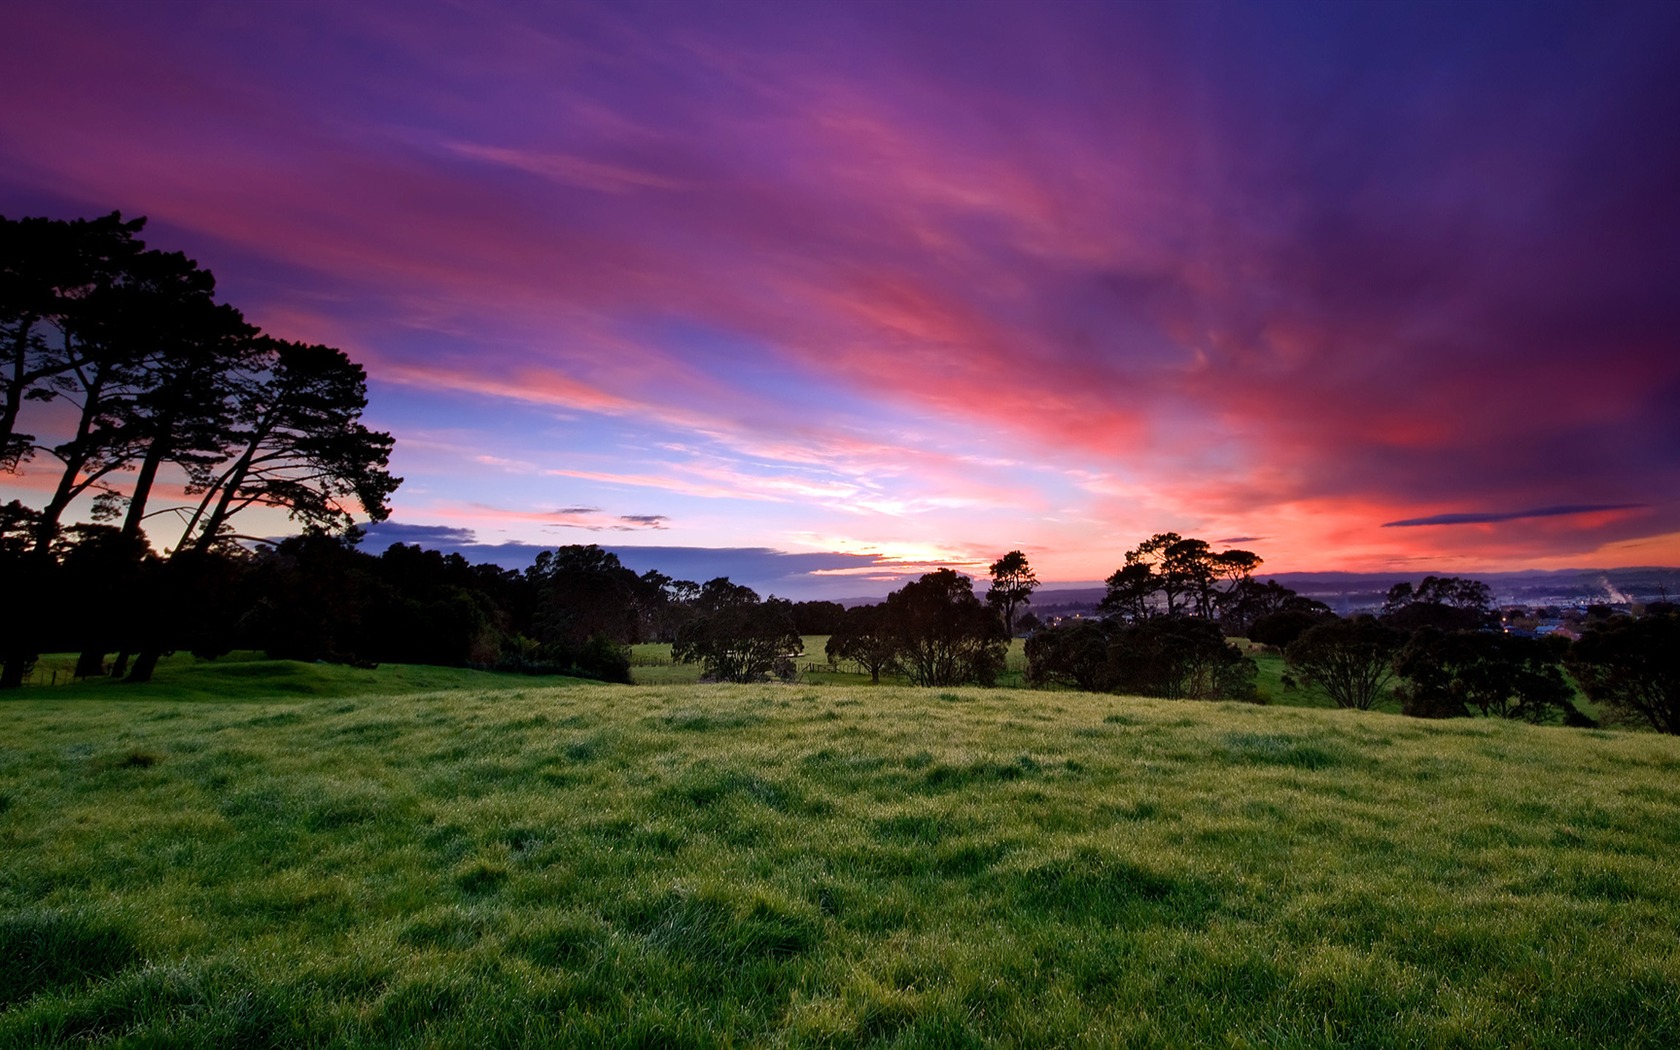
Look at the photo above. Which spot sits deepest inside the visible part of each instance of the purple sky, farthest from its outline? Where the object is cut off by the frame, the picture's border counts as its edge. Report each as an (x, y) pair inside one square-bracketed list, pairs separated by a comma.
[(889, 286)]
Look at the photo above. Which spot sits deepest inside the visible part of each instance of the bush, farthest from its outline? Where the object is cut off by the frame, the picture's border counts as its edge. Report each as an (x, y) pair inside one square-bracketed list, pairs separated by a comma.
[(737, 638), (1071, 654), (1351, 660), (1280, 629), (1486, 671), (1179, 657), (1633, 667)]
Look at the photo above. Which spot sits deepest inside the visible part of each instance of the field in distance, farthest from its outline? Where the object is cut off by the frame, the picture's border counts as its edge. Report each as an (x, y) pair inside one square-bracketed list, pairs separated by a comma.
[(651, 664), (565, 864)]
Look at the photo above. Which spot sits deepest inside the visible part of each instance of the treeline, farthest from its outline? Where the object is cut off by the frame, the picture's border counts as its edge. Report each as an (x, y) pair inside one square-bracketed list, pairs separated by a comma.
[(1437, 648), (320, 597)]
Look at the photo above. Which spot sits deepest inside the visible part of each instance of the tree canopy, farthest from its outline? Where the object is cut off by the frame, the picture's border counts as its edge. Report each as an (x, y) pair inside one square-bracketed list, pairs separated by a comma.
[(1634, 667), (947, 637), (1171, 575), (1351, 660), (737, 638), (148, 376), (1013, 583)]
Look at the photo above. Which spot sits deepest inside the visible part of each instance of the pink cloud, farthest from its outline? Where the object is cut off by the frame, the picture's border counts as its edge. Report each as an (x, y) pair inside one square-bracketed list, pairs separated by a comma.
[(944, 266)]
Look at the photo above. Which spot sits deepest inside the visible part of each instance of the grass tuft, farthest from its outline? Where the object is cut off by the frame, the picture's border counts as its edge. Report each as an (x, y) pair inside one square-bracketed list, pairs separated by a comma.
[(1275, 749), (49, 950)]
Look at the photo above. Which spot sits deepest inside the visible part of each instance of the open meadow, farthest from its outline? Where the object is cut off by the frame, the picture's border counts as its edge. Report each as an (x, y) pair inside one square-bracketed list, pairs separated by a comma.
[(253, 854)]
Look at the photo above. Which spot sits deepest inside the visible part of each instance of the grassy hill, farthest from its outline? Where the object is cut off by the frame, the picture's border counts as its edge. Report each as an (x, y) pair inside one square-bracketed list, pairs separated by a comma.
[(344, 859)]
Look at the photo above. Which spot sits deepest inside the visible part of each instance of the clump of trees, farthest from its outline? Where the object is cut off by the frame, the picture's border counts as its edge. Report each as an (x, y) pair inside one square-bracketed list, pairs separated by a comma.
[(1351, 660), (737, 638), (934, 630), (1177, 657), (1173, 575), (1456, 673), (1161, 631), (142, 376), (946, 636), (1446, 603), (1633, 666), (867, 636)]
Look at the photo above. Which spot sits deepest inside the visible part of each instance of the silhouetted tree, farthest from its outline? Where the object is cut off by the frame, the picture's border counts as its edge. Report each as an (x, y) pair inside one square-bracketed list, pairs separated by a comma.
[(1129, 591), (1013, 583), (1178, 657), (666, 604), (49, 271), (149, 372), (317, 599), (1493, 673), (1152, 555), (298, 444), (1185, 573), (947, 636), (866, 636), (737, 638), (1633, 667), (1075, 653), (817, 617), (584, 592), (1280, 629), (1448, 603), (1248, 600), (104, 567), (1351, 660), (20, 606)]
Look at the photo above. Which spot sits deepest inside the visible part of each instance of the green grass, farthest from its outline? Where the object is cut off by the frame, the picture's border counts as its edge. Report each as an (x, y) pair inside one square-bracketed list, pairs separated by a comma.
[(547, 864), (651, 664), (248, 676)]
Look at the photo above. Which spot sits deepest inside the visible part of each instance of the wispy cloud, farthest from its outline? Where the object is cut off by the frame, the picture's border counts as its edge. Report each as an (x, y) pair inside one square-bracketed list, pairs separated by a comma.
[(773, 267), (1488, 518), (562, 167)]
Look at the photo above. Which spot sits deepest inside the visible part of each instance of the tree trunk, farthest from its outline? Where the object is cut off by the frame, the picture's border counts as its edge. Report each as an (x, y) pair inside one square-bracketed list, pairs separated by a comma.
[(143, 482), (91, 664), (11, 675), (120, 668), (144, 665)]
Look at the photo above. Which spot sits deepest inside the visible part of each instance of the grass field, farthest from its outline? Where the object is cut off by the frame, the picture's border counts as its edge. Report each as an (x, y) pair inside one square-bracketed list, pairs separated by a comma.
[(651, 664), (518, 862)]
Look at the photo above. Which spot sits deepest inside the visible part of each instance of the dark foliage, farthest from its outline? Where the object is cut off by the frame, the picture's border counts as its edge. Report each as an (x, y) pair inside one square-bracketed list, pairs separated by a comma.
[(1173, 575), (737, 638), (1633, 667), (1446, 603), (1013, 583), (1073, 654), (947, 636), (865, 636), (1351, 660), (147, 373), (1485, 672), (584, 592), (1243, 607), (817, 617), (1280, 629), (1179, 657)]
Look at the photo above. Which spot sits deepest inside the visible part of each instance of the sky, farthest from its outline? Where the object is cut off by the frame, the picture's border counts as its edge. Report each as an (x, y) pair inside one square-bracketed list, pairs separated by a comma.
[(840, 292)]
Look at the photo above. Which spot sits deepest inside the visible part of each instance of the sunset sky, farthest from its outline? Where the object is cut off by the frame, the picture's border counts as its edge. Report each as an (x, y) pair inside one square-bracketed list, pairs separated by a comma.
[(881, 287)]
